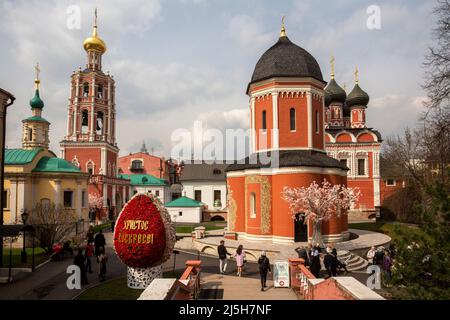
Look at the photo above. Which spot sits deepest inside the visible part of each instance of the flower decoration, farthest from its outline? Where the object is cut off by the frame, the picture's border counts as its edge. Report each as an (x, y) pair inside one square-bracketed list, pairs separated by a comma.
[(144, 236)]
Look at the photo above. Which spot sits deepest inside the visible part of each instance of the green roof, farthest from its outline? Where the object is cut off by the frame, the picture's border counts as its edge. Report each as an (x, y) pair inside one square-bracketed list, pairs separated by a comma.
[(184, 202), (35, 118), (47, 164), (20, 156), (144, 180)]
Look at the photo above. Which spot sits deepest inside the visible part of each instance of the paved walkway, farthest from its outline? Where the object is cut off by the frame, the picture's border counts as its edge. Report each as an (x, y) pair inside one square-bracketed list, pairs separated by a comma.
[(226, 287), (365, 239)]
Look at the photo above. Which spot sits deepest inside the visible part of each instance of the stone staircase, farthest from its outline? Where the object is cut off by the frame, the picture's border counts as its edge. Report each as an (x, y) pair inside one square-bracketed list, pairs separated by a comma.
[(353, 261)]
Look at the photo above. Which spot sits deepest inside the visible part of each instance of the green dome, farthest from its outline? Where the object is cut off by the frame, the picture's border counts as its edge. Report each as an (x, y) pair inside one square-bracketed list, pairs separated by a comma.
[(334, 93), (48, 164), (36, 102), (358, 97)]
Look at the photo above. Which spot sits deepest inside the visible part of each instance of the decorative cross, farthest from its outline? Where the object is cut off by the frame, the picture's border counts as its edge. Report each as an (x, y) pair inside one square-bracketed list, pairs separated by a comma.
[(282, 21), (332, 66), (356, 75), (36, 67), (95, 17)]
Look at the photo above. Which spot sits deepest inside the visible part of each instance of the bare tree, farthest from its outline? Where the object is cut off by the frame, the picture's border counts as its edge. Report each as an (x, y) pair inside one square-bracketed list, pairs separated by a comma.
[(437, 62), (52, 224)]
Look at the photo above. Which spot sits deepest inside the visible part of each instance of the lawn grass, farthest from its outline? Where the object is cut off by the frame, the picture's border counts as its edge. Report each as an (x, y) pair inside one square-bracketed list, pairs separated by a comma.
[(387, 228), (188, 228), (39, 257), (116, 289)]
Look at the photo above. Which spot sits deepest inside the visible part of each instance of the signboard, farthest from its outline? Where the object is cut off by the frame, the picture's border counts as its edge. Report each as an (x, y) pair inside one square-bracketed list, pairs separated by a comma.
[(281, 274)]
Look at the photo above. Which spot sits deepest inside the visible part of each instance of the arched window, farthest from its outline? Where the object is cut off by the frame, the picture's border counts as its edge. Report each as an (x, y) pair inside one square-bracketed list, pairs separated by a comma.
[(136, 165), (317, 122), (100, 91), (99, 127), (264, 120), (84, 121), (30, 134), (252, 205), (90, 167), (85, 89), (292, 119)]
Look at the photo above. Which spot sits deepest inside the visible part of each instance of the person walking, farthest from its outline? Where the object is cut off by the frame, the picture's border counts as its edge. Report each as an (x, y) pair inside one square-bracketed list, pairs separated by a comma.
[(90, 234), (89, 253), (379, 257), (99, 242), (222, 252), (338, 263), (79, 261), (387, 265), (330, 263), (371, 255), (264, 267), (240, 259), (102, 259)]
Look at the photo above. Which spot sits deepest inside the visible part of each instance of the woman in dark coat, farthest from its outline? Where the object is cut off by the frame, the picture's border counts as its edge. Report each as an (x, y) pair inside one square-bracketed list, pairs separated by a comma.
[(264, 267), (315, 263), (79, 261)]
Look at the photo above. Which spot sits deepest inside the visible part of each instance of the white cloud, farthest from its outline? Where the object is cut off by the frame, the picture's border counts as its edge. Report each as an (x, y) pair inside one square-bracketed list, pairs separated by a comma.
[(247, 33)]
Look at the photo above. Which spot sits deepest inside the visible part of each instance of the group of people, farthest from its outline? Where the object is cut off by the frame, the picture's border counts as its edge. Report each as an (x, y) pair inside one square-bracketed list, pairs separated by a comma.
[(383, 258), (239, 255), (93, 246), (312, 255)]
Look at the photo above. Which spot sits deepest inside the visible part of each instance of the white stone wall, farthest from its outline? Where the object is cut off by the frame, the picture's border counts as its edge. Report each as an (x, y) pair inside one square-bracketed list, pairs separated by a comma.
[(164, 192), (189, 215), (207, 188)]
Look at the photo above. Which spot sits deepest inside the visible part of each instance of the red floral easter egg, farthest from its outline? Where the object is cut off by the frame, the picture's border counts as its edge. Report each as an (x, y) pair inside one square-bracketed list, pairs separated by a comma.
[(140, 238)]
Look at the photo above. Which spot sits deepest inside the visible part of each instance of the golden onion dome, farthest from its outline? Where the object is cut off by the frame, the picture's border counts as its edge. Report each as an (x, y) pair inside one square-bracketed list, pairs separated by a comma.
[(94, 42)]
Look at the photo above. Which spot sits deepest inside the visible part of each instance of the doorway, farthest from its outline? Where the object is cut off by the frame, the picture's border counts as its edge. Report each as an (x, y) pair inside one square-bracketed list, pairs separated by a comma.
[(300, 228)]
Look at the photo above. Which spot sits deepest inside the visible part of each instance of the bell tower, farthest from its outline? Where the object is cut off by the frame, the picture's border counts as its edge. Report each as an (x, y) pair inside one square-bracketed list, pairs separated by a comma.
[(91, 112)]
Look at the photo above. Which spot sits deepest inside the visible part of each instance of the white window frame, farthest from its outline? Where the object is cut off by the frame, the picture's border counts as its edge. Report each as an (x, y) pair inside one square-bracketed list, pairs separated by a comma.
[(252, 205), (391, 185)]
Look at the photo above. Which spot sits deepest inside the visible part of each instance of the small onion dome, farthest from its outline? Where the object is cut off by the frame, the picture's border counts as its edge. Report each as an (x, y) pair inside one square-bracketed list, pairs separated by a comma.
[(36, 102), (94, 42), (358, 97), (334, 92)]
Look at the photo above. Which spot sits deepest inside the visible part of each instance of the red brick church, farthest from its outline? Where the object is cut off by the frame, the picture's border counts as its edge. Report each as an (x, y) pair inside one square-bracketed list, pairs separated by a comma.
[(90, 141), (287, 103)]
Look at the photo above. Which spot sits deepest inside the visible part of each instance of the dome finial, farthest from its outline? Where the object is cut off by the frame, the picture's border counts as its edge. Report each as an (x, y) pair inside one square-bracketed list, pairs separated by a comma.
[(36, 80), (94, 30), (356, 75), (283, 29), (332, 60)]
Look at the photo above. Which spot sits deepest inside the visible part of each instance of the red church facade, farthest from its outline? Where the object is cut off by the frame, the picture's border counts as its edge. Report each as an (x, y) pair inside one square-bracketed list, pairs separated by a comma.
[(287, 120), (90, 141), (351, 142)]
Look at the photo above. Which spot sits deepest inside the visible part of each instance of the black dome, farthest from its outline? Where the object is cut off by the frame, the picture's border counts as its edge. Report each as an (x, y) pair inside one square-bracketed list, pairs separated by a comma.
[(286, 59), (334, 93), (358, 97)]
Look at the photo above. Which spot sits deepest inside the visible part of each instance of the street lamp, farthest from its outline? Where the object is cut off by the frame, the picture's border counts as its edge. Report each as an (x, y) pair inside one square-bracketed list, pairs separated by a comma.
[(24, 217)]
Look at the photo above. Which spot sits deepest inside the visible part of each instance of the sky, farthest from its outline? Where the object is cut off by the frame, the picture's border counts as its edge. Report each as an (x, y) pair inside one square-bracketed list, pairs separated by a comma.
[(180, 61)]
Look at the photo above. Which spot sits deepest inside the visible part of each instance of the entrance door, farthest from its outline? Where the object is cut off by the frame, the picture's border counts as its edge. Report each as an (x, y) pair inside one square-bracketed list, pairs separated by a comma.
[(300, 228)]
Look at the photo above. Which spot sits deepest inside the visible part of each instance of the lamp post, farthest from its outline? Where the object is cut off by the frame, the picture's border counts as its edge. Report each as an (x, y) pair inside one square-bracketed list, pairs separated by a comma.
[(24, 217)]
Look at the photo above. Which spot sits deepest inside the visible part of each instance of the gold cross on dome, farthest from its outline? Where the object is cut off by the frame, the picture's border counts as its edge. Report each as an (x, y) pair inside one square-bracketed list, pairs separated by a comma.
[(36, 67), (332, 60), (95, 17)]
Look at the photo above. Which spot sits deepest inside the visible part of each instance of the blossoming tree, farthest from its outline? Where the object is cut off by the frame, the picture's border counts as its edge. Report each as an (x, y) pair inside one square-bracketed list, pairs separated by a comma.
[(320, 203), (95, 203)]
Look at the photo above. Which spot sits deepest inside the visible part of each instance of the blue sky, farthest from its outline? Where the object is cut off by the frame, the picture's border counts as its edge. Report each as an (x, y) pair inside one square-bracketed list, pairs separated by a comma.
[(178, 61)]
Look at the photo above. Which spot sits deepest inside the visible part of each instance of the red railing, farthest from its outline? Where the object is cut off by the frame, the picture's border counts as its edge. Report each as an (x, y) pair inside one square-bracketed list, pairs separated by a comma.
[(300, 276), (188, 286)]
